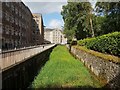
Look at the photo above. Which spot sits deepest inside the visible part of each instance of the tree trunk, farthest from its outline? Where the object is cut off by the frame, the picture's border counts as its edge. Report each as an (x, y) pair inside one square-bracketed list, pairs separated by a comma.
[(91, 25)]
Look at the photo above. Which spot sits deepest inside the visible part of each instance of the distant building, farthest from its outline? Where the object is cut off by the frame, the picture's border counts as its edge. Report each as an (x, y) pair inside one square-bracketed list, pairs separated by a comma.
[(48, 35), (17, 26), (39, 28), (55, 36)]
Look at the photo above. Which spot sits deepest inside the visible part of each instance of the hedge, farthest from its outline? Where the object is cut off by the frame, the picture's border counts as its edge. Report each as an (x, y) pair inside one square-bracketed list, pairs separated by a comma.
[(109, 43)]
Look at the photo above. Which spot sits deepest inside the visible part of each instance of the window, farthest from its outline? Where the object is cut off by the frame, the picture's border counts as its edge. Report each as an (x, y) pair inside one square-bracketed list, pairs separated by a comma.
[(22, 34), (0, 14), (16, 43), (12, 41), (12, 30), (20, 14), (20, 4), (12, 19), (7, 16), (19, 22), (12, 6), (16, 33), (7, 3), (7, 29), (3, 28), (0, 29), (16, 10), (16, 21), (19, 33)]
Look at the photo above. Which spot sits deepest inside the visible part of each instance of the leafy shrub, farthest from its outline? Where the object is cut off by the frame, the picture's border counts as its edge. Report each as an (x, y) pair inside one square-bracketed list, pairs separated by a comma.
[(109, 43)]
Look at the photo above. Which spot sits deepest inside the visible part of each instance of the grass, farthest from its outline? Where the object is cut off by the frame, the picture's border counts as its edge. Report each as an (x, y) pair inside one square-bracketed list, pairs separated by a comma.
[(99, 54), (63, 70)]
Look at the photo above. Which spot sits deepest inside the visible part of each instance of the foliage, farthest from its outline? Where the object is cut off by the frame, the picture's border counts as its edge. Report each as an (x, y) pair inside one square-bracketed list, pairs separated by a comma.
[(81, 22), (63, 70), (98, 21), (109, 43), (111, 12), (77, 18)]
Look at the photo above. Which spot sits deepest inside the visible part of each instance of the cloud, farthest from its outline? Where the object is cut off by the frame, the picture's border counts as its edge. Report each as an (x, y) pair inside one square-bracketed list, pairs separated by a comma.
[(45, 7), (55, 23)]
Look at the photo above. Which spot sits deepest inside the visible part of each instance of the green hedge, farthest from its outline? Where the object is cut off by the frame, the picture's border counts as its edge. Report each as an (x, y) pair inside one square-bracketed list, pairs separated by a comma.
[(109, 43)]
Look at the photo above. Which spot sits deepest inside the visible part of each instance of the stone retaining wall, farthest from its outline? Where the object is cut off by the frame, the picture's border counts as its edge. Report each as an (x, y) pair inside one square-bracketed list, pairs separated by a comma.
[(107, 71)]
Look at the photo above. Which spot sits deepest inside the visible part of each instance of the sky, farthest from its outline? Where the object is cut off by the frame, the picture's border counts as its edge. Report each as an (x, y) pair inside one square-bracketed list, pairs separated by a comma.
[(50, 11)]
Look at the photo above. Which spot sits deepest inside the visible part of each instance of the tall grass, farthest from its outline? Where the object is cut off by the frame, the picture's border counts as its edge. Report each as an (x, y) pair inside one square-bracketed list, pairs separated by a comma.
[(63, 70)]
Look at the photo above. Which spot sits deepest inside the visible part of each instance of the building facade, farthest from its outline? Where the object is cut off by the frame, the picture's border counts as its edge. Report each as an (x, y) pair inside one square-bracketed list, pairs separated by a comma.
[(39, 28), (55, 36), (18, 26)]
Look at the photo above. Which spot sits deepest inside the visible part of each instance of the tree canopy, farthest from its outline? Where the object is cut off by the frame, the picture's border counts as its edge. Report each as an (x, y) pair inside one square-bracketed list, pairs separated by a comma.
[(77, 19), (111, 12), (81, 22)]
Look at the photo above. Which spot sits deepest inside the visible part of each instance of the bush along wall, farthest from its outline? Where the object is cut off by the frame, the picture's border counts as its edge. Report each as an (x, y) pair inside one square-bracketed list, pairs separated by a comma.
[(109, 43)]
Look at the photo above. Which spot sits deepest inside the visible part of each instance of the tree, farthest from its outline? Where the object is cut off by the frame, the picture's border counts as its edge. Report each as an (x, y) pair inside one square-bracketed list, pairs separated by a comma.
[(98, 21), (78, 20), (111, 12)]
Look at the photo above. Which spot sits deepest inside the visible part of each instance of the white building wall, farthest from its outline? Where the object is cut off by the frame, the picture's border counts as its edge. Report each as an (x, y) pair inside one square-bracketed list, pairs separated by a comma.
[(55, 36), (51, 37)]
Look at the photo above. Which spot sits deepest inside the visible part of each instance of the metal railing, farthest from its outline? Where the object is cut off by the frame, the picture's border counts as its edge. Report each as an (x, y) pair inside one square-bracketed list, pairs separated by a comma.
[(13, 57)]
